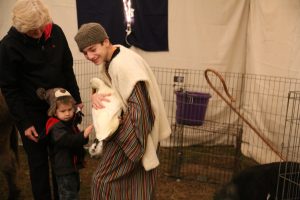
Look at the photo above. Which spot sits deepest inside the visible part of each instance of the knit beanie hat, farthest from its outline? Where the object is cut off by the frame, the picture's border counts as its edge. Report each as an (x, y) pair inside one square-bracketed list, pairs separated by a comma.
[(51, 96), (89, 34)]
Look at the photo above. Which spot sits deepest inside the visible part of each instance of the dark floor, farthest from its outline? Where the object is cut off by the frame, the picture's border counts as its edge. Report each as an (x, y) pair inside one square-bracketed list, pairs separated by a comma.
[(167, 188)]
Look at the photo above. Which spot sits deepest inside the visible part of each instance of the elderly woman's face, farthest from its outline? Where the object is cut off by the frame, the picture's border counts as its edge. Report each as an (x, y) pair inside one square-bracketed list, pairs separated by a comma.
[(36, 33)]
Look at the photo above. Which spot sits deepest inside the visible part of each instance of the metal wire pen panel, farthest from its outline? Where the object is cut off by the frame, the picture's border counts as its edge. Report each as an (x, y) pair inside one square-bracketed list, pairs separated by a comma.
[(288, 186), (205, 128), (196, 156), (200, 147), (84, 71)]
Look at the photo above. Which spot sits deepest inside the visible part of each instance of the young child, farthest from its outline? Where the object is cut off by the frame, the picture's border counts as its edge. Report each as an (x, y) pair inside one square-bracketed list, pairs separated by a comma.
[(65, 141)]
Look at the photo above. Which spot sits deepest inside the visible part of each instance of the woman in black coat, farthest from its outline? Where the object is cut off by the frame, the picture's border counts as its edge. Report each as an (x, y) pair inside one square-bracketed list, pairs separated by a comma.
[(34, 54)]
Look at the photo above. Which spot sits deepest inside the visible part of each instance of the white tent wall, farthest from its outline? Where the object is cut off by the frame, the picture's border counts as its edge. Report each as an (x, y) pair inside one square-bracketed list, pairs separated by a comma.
[(214, 33), (5, 16), (201, 32), (273, 48), (245, 36), (274, 38), (205, 33)]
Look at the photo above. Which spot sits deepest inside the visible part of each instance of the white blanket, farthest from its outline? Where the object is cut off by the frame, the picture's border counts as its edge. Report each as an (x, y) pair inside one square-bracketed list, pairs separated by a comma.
[(125, 70)]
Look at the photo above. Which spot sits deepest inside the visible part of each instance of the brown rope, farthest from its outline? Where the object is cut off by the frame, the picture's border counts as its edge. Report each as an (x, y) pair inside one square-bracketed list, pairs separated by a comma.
[(236, 111)]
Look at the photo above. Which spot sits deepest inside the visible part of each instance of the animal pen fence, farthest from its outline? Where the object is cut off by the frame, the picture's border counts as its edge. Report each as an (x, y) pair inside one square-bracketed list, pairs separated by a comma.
[(288, 185), (209, 141)]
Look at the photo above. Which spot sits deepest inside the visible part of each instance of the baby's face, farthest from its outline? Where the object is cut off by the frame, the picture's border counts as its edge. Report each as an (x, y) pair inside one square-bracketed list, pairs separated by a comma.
[(65, 112)]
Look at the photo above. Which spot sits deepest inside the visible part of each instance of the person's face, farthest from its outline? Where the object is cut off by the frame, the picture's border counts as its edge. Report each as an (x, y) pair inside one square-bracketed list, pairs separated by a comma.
[(64, 112), (97, 53), (36, 33)]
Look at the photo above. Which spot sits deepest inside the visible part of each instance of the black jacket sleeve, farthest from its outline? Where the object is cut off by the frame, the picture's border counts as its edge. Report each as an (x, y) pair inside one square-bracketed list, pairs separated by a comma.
[(9, 84), (62, 136), (72, 85)]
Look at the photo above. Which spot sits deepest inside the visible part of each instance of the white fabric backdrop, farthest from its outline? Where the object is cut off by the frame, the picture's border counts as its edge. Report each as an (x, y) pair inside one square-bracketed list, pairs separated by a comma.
[(253, 36), (256, 36)]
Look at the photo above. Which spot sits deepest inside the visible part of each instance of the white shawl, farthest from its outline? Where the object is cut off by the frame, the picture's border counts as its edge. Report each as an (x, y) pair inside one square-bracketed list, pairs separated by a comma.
[(125, 70)]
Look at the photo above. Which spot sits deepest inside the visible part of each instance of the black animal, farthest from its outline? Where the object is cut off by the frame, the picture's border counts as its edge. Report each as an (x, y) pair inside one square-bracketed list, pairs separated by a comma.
[(260, 183), (8, 150)]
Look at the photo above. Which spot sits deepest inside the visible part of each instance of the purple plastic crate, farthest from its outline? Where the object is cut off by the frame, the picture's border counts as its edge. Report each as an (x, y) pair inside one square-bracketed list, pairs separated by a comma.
[(191, 107)]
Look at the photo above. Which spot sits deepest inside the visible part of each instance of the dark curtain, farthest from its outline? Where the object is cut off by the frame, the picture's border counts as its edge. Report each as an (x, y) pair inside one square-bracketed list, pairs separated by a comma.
[(150, 27)]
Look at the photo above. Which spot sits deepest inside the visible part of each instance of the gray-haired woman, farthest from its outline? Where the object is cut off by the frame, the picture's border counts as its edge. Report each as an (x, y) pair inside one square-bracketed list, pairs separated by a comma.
[(34, 54)]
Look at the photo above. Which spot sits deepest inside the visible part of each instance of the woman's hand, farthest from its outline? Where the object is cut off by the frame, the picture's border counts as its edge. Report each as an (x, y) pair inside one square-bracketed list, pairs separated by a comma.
[(97, 100), (31, 134)]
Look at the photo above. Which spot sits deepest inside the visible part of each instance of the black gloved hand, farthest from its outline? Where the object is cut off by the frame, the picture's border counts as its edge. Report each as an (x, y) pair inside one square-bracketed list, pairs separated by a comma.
[(78, 117)]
